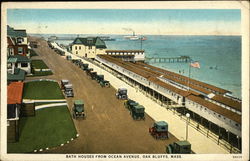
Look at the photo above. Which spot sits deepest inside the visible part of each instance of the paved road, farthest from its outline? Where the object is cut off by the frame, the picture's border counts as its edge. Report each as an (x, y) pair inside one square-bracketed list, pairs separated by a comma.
[(108, 127)]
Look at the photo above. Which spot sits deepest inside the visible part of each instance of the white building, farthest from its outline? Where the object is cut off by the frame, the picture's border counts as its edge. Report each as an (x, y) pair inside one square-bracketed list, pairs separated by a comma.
[(18, 61), (219, 115), (88, 47), (136, 55)]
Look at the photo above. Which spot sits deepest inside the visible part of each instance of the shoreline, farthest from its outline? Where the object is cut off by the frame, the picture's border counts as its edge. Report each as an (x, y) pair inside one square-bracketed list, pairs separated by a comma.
[(157, 112)]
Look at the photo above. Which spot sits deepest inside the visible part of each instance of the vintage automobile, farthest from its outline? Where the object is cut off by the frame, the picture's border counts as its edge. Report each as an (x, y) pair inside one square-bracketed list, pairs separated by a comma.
[(78, 109), (179, 147), (137, 112), (121, 93), (159, 130)]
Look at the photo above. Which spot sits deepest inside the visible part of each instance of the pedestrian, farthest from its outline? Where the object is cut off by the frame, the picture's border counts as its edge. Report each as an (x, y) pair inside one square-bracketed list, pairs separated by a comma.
[(198, 126)]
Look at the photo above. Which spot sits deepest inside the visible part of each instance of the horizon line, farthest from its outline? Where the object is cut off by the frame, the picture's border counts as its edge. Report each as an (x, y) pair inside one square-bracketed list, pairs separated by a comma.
[(141, 34)]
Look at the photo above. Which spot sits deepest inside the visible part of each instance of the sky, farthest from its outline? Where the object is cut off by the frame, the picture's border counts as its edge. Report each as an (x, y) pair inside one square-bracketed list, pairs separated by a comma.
[(124, 21)]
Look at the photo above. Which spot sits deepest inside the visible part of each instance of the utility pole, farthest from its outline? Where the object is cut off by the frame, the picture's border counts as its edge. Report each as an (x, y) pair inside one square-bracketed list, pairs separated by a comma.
[(189, 73), (141, 42)]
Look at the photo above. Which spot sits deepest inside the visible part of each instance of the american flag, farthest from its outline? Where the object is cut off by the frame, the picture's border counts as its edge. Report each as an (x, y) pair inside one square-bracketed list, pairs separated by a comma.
[(195, 64)]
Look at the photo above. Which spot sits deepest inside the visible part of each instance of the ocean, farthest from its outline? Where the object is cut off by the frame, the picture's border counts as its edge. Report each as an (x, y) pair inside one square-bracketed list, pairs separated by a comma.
[(219, 56)]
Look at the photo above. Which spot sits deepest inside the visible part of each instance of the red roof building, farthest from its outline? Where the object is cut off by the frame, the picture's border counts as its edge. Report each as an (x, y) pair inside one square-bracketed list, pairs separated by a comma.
[(15, 92)]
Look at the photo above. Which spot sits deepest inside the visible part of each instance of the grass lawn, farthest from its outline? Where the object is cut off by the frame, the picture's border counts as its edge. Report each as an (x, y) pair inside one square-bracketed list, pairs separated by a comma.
[(40, 73), (38, 64), (49, 128), (42, 90)]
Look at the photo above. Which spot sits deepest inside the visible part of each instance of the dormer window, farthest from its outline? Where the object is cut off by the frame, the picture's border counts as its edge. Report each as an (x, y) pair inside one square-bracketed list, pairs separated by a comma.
[(19, 40), (89, 41)]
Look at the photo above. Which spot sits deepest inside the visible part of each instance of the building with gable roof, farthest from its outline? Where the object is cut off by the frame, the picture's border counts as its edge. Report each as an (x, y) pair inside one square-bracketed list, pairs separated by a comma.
[(18, 61), (14, 101), (17, 42), (88, 47)]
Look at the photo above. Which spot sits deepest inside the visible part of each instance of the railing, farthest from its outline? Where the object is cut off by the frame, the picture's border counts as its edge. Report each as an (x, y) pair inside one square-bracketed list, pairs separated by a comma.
[(172, 106), (180, 59)]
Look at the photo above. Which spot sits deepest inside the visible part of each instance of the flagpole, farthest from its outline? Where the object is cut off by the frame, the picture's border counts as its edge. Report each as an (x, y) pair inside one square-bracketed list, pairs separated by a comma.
[(189, 71)]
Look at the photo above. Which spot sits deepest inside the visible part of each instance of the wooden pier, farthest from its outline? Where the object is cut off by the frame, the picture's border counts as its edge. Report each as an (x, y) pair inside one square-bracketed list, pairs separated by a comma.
[(180, 59)]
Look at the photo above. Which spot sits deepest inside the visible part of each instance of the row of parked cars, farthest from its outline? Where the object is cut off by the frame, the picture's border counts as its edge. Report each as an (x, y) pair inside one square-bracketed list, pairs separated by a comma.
[(78, 106), (90, 72), (67, 88), (137, 111), (159, 130), (58, 51)]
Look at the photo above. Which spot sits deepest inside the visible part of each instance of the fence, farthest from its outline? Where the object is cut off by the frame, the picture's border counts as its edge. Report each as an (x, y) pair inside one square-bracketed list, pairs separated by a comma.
[(40, 80), (202, 129)]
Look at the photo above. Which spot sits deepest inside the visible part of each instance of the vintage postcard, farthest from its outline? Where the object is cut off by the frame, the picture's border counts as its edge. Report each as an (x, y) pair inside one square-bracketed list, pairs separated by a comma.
[(125, 80)]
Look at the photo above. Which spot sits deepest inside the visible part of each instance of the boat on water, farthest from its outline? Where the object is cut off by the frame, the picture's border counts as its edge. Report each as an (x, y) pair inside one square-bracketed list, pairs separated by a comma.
[(132, 37), (135, 37), (107, 38), (52, 38), (143, 38)]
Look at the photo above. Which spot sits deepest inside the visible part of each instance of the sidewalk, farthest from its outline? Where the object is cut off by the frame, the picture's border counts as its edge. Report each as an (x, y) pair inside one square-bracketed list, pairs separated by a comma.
[(200, 143), (50, 105)]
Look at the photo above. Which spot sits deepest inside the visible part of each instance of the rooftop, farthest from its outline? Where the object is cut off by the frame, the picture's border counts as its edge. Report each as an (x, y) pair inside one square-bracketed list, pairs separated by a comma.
[(78, 102), (19, 75), (227, 101), (151, 74), (107, 51), (161, 123), (90, 41), (15, 33), (220, 110), (15, 93), (182, 143), (184, 78), (18, 59), (139, 107)]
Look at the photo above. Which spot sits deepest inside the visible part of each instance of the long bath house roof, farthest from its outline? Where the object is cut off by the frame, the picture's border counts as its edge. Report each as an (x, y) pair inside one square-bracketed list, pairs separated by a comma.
[(153, 76), (201, 87)]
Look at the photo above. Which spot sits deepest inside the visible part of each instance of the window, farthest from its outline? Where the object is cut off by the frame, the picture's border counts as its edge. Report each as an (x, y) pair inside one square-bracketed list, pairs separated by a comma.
[(24, 64), (219, 115), (76, 47), (10, 51), (79, 47), (9, 66), (76, 52), (236, 125), (19, 40), (20, 50)]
